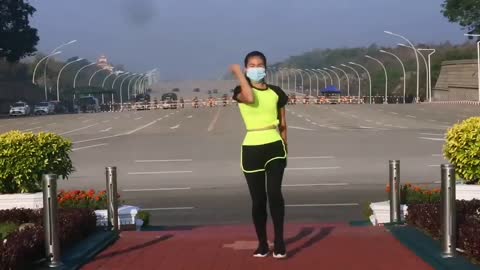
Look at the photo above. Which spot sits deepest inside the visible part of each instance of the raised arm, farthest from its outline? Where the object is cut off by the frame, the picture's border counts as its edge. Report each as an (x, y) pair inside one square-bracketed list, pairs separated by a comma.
[(246, 93)]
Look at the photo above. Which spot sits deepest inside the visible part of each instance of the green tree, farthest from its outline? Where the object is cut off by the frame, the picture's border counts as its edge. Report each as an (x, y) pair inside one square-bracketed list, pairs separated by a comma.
[(464, 12), (17, 38)]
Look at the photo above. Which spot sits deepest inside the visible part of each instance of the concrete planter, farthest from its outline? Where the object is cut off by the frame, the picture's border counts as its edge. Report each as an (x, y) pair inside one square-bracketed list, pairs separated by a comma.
[(381, 212), (126, 215), (467, 192), (21, 200)]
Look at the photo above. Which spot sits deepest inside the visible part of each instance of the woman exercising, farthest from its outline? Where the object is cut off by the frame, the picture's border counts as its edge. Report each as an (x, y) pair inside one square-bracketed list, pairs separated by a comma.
[(264, 148)]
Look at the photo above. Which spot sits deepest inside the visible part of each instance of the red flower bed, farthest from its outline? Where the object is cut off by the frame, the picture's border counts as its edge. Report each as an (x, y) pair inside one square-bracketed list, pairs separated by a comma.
[(411, 194), (90, 199)]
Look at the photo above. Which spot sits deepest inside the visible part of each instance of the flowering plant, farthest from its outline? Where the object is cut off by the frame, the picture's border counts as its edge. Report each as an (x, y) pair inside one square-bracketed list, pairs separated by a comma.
[(410, 194), (83, 199)]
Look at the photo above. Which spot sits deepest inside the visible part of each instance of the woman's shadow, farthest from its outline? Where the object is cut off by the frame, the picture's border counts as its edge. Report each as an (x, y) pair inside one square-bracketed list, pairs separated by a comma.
[(304, 233)]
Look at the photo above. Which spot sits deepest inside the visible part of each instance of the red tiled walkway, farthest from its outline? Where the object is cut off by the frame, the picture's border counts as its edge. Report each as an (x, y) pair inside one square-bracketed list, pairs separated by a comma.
[(310, 246)]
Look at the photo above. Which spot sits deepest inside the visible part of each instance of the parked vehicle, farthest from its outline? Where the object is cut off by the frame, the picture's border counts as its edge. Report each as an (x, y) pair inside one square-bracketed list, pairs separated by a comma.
[(20, 108), (43, 108), (88, 104)]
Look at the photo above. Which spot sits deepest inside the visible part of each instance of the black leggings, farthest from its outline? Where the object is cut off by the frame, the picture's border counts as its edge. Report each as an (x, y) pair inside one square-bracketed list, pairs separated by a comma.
[(273, 176)]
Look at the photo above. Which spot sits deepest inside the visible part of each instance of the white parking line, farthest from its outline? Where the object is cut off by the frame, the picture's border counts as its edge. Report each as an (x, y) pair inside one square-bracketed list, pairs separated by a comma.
[(432, 139), (300, 115), (394, 113), (162, 172), (301, 128), (140, 128), (308, 120), (162, 160), (312, 168), (434, 165), (157, 189), (31, 129), (169, 208), (51, 124), (354, 116), (368, 120), (411, 116), (90, 146), (175, 127), (85, 121), (34, 123), (314, 185), (190, 116), (99, 138), (322, 205), (432, 134), (138, 118), (105, 121), (105, 130), (319, 157), (78, 129)]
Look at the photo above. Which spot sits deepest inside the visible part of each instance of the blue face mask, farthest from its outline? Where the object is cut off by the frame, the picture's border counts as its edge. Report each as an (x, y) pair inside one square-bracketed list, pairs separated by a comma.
[(256, 74)]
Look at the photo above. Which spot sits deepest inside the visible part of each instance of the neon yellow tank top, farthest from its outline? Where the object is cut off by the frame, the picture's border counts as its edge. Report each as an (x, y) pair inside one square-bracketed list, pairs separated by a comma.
[(263, 113)]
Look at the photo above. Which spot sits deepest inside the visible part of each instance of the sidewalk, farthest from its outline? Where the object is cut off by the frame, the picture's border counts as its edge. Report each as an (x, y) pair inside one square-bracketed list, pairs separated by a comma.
[(310, 246)]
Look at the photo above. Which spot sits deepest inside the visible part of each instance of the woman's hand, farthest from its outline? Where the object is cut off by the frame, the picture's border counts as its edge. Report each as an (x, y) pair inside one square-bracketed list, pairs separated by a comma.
[(236, 70)]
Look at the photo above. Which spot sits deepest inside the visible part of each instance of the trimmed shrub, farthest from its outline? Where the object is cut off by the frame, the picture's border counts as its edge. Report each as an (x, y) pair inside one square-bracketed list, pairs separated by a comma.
[(6, 229), (462, 149), (82, 199), (24, 157), (145, 216), (427, 218), (24, 247), (410, 194)]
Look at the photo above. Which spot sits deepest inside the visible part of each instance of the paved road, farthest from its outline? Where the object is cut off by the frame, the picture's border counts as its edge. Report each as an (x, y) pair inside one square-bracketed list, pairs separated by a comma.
[(183, 165)]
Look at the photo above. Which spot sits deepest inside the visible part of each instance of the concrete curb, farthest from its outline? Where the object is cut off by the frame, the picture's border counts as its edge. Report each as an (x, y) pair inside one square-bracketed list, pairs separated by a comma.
[(467, 102)]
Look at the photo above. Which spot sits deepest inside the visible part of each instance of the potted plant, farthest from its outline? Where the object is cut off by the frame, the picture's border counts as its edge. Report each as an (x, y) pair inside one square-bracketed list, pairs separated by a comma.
[(24, 158), (462, 149)]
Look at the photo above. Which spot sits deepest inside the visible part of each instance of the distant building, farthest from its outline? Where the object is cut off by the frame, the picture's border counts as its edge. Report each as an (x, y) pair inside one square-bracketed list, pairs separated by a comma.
[(103, 63)]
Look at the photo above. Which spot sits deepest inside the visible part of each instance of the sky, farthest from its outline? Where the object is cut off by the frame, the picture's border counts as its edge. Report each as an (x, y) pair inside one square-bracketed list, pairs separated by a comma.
[(199, 39)]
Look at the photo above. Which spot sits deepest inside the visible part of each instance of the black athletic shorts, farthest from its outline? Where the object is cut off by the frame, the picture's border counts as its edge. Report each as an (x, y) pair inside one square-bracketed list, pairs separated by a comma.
[(256, 157)]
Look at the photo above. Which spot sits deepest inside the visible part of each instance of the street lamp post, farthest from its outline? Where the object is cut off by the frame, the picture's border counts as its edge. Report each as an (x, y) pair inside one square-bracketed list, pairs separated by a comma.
[(46, 64), (78, 72), (416, 58), (369, 77), (314, 71), (323, 72), (336, 74), (404, 73), (318, 79), (309, 80), (130, 83), (60, 73), (432, 51), (385, 101), (301, 77), (38, 64), (346, 76), (359, 80), (426, 67), (121, 86)]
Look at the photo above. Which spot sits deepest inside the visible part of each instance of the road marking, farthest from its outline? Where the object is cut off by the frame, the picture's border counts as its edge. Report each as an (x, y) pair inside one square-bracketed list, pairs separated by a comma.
[(314, 123), (85, 121), (34, 123), (432, 120), (368, 120), (116, 118), (308, 120), (138, 118), (31, 129), (300, 115), (168, 208), (166, 116), (100, 138), (90, 146), (336, 128), (140, 128), (190, 116), (105, 130), (159, 118), (78, 129), (312, 168), (411, 116), (157, 189), (434, 165), (388, 125), (300, 128), (162, 172), (354, 116), (432, 139), (319, 157), (366, 127), (322, 205), (214, 121), (379, 123), (432, 134), (105, 121), (175, 127), (51, 124), (314, 185), (394, 113), (162, 160), (400, 127)]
